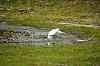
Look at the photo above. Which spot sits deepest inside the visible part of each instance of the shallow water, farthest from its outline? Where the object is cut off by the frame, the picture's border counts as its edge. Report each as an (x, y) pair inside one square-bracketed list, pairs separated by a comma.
[(34, 35)]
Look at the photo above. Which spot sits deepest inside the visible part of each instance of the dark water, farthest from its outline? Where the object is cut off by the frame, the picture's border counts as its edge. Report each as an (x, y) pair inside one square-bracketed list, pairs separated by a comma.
[(33, 35)]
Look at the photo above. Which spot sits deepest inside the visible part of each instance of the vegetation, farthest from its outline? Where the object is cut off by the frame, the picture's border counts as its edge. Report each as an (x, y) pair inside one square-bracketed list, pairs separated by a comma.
[(54, 55), (48, 13), (70, 11)]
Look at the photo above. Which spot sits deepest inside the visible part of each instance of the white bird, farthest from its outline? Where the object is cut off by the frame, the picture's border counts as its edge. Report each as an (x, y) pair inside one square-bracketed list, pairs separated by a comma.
[(53, 32)]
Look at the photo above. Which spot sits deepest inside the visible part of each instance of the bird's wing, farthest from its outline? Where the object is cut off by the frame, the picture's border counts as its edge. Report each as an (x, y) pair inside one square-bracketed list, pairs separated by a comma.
[(54, 31)]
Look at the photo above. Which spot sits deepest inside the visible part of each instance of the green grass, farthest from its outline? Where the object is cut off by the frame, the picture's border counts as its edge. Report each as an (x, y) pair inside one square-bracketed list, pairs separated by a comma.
[(54, 55), (38, 12), (73, 11)]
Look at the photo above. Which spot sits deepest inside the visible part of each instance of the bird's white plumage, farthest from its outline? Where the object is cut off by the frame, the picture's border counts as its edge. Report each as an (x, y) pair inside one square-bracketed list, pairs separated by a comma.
[(53, 32)]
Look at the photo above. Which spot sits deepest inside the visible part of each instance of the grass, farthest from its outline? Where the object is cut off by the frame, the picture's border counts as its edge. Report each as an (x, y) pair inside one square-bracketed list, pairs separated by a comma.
[(54, 55), (37, 13), (73, 11)]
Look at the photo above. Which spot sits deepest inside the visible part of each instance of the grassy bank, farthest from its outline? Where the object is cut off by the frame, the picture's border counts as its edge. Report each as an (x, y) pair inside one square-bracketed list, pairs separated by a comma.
[(71, 11), (54, 55)]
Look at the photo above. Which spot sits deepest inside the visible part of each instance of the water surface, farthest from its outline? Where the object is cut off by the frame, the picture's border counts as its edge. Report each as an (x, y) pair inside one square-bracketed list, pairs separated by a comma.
[(33, 35)]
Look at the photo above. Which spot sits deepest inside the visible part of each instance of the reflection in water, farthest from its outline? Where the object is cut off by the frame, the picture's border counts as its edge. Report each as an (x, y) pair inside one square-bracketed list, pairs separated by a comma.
[(33, 35)]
